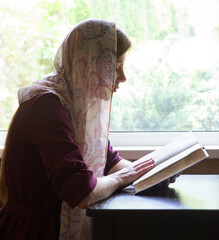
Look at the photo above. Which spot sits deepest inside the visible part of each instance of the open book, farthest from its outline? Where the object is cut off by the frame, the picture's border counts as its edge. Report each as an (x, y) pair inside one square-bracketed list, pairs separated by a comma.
[(171, 159)]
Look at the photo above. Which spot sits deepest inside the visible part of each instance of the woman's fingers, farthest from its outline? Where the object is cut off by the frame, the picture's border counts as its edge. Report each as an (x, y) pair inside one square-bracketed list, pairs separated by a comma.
[(145, 167), (144, 163), (132, 173)]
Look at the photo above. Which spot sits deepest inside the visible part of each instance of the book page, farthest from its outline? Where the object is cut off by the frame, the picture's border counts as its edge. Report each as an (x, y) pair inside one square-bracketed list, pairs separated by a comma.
[(168, 163), (172, 149), (169, 168)]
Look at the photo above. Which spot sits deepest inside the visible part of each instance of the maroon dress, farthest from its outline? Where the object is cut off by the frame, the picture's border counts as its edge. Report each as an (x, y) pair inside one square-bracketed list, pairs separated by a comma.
[(43, 167)]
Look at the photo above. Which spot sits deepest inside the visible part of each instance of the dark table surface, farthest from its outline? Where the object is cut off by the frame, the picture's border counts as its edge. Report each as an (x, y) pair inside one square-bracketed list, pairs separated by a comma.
[(190, 207), (188, 192)]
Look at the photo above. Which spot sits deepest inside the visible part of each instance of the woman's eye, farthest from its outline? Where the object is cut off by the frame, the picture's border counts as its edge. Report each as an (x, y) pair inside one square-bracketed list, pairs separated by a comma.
[(118, 66)]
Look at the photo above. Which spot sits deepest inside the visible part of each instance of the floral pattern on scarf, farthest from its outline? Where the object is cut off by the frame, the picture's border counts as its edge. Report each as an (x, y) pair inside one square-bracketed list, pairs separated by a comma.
[(83, 80)]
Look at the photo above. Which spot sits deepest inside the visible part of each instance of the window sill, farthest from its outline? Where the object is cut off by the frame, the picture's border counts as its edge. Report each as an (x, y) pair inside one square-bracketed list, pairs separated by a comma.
[(136, 152), (135, 145)]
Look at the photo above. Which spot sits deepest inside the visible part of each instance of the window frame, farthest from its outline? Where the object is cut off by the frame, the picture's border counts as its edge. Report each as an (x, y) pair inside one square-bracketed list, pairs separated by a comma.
[(133, 145)]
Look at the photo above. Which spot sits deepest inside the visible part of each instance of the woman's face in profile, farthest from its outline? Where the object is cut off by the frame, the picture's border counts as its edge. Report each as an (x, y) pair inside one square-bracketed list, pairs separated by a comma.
[(119, 74)]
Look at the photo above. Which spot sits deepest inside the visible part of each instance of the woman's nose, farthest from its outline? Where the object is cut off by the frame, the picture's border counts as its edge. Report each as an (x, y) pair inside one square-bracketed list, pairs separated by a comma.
[(122, 77)]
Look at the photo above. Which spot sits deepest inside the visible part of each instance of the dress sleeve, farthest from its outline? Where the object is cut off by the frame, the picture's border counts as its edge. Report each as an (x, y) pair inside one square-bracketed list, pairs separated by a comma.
[(61, 157), (112, 159)]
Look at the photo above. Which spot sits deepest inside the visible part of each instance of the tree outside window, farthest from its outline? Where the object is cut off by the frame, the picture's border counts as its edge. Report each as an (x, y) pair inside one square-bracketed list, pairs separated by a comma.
[(172, 69)]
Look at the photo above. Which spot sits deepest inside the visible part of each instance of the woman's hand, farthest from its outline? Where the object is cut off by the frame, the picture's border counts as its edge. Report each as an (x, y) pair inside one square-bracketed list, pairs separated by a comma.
[(165, 183), (129, 174), (173, 178), (107, 185)]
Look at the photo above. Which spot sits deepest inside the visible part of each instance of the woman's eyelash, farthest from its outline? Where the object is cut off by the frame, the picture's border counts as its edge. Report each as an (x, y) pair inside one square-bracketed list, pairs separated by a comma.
[(118, 66)]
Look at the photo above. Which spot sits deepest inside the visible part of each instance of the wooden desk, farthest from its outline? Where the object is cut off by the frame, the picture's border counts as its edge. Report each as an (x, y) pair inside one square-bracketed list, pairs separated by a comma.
[(187, 209)]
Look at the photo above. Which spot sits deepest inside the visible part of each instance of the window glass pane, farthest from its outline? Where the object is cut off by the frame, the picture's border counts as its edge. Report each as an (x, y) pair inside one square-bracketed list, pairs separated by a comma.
[(172, 69)]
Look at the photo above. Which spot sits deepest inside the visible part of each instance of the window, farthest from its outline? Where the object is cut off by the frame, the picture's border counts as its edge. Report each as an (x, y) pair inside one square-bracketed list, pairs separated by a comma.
[(172, 69)]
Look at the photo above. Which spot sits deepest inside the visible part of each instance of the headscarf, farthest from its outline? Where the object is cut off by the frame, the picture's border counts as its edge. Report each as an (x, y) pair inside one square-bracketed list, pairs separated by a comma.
[(83, 80)]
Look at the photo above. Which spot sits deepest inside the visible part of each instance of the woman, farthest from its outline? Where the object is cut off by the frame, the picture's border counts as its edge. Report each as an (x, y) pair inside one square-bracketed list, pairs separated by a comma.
[(57, 149)]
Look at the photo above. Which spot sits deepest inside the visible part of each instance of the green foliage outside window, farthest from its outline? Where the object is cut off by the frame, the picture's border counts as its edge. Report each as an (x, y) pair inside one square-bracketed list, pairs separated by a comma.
[(172, 69)]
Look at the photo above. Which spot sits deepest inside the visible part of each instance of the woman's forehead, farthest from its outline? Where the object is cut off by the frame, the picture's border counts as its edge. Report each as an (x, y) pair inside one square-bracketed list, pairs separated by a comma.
[(121, 59)]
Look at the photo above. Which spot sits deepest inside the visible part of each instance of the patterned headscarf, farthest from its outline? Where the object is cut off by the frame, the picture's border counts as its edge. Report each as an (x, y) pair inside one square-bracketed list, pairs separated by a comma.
[(83, 80)]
